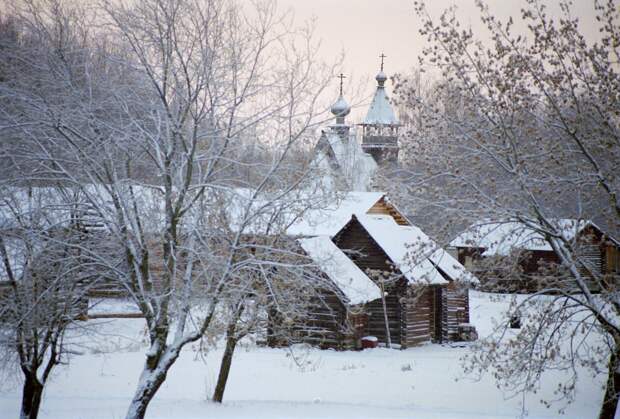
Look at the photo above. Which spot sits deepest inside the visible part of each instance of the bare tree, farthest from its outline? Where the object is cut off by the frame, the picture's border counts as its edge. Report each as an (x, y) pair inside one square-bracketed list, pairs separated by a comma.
[(148, 128), (43, 287), (278, 278), (529, 134)]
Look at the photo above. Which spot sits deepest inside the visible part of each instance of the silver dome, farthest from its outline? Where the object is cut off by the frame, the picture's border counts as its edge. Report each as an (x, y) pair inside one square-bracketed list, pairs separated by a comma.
[(341, 108)]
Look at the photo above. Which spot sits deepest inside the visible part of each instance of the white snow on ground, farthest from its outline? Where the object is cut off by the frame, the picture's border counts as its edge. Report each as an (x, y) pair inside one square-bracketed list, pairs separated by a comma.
[(268, 383), (350, 279)]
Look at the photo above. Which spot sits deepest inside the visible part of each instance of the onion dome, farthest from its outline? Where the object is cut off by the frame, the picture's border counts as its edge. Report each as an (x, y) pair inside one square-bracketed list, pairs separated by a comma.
[(341, 108), (381, 78)]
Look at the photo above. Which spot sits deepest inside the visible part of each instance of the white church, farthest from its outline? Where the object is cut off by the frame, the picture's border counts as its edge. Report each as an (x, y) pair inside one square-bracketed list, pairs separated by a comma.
[(338, 151)]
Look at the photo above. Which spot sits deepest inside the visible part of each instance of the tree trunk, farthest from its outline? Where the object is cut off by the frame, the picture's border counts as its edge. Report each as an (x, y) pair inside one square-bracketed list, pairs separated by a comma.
[(612, 390), (147, 387), (222, 378), (231, 343), (31, 397), (152, 377)]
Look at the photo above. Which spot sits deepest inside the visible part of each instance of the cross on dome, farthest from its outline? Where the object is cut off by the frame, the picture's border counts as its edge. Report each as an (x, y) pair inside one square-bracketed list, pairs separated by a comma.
[(341, 108), (381, 77), (341, 77)]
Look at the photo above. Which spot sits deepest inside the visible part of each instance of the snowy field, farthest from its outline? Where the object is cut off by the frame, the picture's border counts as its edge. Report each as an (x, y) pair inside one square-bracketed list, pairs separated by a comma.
[(425, 382)]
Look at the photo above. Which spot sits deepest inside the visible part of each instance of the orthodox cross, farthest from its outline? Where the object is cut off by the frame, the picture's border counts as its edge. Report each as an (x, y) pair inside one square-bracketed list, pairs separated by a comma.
[(382, 56), (341, 77)]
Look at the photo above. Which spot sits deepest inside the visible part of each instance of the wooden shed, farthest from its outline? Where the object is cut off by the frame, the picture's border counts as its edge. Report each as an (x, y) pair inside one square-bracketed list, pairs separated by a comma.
[(511, 257), (425, 289)]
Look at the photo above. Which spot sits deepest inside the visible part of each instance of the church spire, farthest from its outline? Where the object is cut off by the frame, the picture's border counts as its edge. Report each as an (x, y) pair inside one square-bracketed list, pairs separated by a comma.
[(380, 127), (380, 110)]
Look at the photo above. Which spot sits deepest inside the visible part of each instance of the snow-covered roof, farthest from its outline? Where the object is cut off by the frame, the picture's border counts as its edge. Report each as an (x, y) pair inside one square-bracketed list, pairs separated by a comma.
[(415, 254), (44, 207), (380, 110), (242, 209), (353, 283), (355, 166), (329, 220), (500, 238)]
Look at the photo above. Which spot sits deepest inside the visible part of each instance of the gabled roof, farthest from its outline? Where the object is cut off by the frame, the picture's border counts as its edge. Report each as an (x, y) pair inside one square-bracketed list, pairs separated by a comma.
[(329, 220), (380, 110), (354, 284), (416, 255), (500, 238)]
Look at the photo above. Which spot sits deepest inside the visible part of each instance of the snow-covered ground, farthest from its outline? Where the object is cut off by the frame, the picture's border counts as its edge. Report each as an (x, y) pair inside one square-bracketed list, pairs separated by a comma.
[(425, 382)]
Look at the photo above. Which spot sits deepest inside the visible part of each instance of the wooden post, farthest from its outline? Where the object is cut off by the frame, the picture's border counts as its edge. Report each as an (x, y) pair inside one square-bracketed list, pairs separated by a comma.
[(388, 338)]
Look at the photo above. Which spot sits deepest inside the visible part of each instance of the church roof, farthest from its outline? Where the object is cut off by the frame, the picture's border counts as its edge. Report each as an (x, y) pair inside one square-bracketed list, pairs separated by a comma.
[(380, 110), (348, 159), (341, 108)]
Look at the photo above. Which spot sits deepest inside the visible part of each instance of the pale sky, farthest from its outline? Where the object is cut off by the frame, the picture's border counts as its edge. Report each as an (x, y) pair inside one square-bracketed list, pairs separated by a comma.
[(363, 29)]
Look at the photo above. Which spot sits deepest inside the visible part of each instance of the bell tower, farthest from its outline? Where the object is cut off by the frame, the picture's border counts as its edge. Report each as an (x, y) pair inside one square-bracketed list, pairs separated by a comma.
[(380, 127)]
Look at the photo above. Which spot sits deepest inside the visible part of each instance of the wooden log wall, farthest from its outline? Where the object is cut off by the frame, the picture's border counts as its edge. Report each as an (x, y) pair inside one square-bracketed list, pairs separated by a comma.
[(384, 207), (611, 259), (418, 319), (539, 268), (358, 321), (323, 324), (376, 320), (455, 305), (436, 319), (369, 257)]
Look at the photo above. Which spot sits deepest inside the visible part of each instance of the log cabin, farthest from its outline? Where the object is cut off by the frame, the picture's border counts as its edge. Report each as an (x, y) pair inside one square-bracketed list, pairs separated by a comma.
[(425, 289), (511, 257), (354, 290), (379, 251)]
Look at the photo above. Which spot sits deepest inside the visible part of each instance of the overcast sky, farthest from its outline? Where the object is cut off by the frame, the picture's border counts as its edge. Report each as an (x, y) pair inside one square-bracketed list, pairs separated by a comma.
[(365, 28)]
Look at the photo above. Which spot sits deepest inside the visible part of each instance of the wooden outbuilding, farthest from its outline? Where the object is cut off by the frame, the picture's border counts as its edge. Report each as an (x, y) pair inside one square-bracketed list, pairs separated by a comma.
[(425, 289), (369, 249), (511, 257)]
